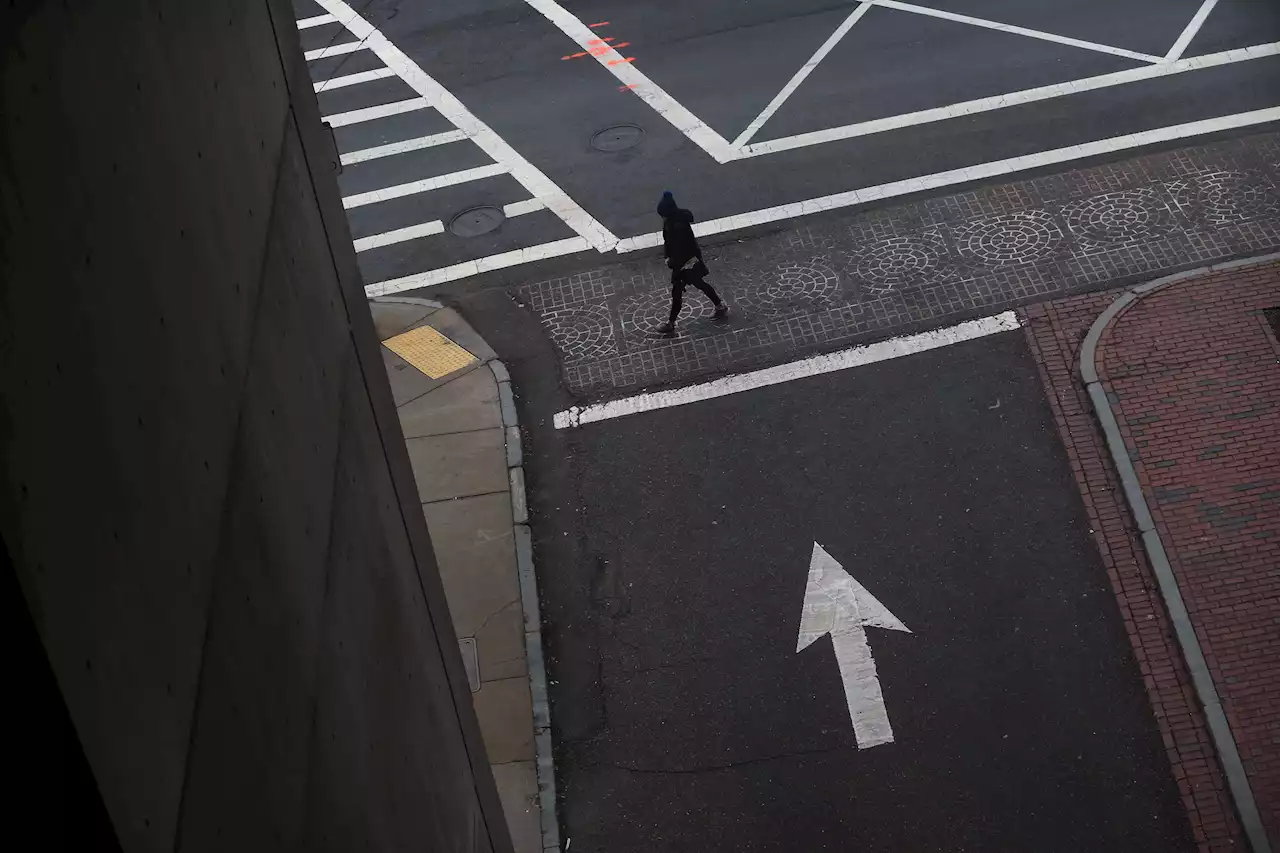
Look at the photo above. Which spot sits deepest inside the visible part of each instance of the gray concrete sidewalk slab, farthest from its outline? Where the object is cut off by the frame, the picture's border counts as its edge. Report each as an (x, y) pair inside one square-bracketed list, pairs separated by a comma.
[(394, 318), (469, 402), (459, 464), (515, 779), (464, 445), (474, 547), (505, 712)]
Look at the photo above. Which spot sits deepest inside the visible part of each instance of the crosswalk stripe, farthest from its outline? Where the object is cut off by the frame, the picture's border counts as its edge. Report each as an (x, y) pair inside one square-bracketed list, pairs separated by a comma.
[(334, 50), (353, 79), (307, 23), (436, 226), (401, 147), (520, 208), (529, 254), (425, 185), (399, 235), (371, 113)]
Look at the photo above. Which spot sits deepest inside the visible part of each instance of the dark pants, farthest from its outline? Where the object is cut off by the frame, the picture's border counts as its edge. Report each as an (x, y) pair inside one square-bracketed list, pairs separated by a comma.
[(680, 279)]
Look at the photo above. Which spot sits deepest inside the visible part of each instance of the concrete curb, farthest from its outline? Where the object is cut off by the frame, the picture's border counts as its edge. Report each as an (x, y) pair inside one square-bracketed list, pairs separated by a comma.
[(1192, 653), (532, 613), (408, 300), (527, 577)]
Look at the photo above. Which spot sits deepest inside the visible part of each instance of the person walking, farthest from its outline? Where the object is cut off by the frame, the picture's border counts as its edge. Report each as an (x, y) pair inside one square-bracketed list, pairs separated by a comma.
[(684, 257)]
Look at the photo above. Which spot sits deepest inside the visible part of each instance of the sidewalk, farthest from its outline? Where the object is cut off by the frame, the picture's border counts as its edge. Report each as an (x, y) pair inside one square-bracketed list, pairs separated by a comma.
[(458, 415), (1177, 455)]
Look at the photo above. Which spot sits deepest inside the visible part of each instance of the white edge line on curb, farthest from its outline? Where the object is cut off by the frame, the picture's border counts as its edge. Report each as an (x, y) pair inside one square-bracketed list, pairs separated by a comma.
[(812, 366), (533, 180), (963, 175)]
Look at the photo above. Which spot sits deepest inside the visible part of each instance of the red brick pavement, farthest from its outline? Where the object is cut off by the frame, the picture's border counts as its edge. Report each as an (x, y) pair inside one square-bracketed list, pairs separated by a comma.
[(1193, 370)]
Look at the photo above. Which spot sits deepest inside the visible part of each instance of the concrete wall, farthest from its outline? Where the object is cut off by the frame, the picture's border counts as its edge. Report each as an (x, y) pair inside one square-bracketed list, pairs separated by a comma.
[(204, 493)]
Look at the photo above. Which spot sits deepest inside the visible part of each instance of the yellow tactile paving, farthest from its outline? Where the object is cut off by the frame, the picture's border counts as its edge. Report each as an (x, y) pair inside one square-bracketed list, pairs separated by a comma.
[(429, 351)]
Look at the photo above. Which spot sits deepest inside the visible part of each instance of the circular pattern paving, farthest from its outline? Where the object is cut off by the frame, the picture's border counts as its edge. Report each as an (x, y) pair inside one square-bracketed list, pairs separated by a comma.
[(1119, 217), (476, 221), (643, 313), (582, 333), (1015, 238), (1225, 198), (617, 138), (794, 285), (885, 265)]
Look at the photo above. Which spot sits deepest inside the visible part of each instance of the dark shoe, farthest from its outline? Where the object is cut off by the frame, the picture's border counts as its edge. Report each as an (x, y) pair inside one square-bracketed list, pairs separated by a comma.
[(667, 329), (722, 311)]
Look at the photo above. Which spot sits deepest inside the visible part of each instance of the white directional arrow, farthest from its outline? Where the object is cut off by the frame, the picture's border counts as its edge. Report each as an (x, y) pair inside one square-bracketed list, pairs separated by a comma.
[(836, 604)]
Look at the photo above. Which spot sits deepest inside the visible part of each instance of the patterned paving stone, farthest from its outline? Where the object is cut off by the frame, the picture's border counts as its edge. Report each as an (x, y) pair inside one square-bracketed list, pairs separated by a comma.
[(791, 287), (827, 284), (1014, 238), (890, 263)]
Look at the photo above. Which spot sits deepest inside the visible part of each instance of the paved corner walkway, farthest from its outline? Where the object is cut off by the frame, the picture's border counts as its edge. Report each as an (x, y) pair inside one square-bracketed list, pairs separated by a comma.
[(458, 415), (1191, 374)]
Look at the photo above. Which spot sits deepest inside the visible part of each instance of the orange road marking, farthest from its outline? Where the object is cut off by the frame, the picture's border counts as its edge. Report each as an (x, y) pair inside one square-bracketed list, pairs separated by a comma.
[(621, 61), (601, 24)]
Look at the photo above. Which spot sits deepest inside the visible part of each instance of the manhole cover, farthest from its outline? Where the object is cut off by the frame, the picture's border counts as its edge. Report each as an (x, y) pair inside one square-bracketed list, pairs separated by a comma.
[(476, 221), (618, 138)]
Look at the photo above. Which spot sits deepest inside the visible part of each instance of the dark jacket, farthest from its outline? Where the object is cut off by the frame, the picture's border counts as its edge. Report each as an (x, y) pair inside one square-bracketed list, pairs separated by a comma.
[(678, 242)]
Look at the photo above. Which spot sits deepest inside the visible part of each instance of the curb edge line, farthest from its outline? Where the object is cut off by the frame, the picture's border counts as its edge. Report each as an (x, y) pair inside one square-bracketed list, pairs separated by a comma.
[(1192, 653), (544, 760)]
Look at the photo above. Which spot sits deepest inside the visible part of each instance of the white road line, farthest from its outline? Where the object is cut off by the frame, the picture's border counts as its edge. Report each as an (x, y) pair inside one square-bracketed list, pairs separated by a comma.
[(424, 185), (334, 50), (353, 79), (399, 235), (307, 23), (1013, 99), (1189, 33), (534, 181), (819, 55), (493, 262), (982, 171), (651, 93), (401, 147), (813, 366), (380, 111), (520, 208), (1009, 28), (436, 226), (836, 604)]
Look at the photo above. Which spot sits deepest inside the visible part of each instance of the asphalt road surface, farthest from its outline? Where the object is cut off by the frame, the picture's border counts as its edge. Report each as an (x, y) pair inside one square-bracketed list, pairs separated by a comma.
[(681, 542), (675, 546), (724, 62)]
